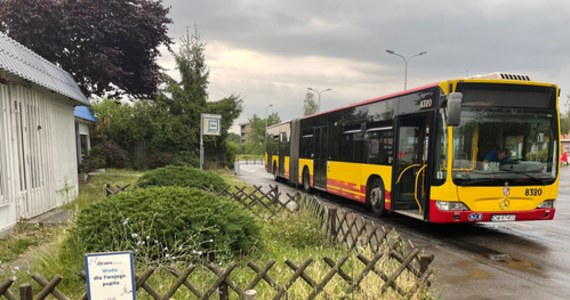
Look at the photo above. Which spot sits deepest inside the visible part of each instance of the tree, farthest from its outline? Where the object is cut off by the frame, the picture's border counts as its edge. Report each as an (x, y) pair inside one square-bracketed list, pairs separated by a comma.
[(255, 140), (309, 105), (187, 99), (107, 45), (565, 118), (565, 123)]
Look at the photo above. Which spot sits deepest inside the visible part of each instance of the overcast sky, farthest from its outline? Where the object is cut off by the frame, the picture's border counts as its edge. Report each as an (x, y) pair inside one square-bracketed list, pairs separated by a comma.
[(270, 51)]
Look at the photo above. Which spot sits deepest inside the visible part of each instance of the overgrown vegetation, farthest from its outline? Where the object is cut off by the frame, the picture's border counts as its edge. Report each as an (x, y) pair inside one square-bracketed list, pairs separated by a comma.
[(23, 237), (158, 223), (166, 129), (182, 176), (131, 221)]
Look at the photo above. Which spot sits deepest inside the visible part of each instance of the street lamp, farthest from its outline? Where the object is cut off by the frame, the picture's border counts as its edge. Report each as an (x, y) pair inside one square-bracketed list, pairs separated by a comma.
[(265, 131), (405, 64), (319, 93)]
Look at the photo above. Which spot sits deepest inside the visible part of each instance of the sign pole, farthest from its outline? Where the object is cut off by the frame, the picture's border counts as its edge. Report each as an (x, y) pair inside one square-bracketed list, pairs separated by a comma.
[(210, 124), (201, 142)]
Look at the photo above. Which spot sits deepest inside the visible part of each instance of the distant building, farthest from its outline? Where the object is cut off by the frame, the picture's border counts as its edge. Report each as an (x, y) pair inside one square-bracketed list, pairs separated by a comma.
[(244, 129), (38, 160)]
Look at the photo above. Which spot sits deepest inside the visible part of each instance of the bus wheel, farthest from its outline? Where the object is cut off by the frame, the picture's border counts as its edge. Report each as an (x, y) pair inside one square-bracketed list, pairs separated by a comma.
[(375, 196), (306, 181)]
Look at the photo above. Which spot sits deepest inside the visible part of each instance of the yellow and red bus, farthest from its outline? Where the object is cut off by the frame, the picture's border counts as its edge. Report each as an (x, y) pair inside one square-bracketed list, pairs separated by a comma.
[(431, 152)]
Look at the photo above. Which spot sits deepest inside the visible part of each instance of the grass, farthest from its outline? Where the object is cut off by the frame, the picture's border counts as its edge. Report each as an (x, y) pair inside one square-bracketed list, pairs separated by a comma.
[(291, 236), (23, 237), (94, 189)]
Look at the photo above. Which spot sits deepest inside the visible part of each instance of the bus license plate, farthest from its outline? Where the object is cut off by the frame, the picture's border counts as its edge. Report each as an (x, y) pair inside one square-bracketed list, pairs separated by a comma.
[(503, 218)]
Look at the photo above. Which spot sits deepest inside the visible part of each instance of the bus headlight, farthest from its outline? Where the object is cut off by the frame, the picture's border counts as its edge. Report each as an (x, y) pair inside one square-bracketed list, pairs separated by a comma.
[(447, 206), (547, 204)]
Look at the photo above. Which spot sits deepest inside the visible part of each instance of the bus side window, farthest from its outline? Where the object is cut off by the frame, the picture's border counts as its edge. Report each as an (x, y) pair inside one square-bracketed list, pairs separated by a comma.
[(306, 145), (379, 147)]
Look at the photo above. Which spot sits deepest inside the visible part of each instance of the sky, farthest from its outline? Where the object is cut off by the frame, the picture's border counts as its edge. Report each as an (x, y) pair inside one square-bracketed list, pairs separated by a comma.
[(269, 52)]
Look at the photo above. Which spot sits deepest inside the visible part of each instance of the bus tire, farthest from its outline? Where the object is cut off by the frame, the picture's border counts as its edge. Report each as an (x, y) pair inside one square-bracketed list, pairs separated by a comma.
[(375, 197), (306, 181)]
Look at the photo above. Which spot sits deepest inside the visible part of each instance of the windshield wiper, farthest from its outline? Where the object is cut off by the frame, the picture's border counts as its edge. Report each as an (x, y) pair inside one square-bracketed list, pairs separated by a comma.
[(540, 181)]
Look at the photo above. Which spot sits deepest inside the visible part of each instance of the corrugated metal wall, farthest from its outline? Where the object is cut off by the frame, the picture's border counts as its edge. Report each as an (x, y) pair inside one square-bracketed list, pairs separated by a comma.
[(38, 167)]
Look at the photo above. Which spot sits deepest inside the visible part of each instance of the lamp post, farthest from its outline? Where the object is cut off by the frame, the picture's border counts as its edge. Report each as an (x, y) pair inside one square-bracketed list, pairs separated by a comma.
[(265, 131), (405, 64), (319, 93)]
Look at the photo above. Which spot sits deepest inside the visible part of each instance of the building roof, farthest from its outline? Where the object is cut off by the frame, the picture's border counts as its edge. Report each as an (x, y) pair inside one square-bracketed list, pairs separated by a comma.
[(20, 61), (83, 112)]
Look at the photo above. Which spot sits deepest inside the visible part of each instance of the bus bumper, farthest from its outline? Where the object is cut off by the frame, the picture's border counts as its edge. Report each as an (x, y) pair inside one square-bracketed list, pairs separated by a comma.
[(468, 216)]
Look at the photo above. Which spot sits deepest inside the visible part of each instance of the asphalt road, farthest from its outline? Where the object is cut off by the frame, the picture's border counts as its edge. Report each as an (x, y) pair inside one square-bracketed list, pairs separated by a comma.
[(511, 260)]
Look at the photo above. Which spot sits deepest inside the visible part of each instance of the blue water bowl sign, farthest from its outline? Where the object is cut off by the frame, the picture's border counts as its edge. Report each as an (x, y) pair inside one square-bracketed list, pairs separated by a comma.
[(110, 275)]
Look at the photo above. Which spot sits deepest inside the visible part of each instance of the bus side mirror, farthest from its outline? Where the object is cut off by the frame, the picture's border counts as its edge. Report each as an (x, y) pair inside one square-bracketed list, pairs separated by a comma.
[(454, 101)]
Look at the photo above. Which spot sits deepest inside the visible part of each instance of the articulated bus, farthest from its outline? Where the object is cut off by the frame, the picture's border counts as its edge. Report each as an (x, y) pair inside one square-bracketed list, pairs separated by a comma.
[(427, 153)]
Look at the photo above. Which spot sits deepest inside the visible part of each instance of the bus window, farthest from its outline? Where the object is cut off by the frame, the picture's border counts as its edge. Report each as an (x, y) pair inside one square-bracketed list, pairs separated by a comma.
[(352, 145), (379, 145), (306, 150), (463, 146)]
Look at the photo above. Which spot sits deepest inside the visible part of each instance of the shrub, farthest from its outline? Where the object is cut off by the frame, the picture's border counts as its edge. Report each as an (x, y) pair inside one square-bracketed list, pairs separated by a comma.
[(159, 159), (113, 155), (188, 158), (91, 163), (184, 176), (161, 222)]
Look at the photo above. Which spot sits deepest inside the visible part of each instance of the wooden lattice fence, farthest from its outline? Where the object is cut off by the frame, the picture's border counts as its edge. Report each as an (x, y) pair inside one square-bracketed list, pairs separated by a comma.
[(381, 263)]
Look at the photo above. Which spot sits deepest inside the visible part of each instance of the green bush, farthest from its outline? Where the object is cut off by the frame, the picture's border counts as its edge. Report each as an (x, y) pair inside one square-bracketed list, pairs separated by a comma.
[(159, 223), (183, 176)]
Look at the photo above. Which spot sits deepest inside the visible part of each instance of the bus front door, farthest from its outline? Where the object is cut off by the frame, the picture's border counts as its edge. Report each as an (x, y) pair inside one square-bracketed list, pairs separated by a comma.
[(321, 140), (409, 190)]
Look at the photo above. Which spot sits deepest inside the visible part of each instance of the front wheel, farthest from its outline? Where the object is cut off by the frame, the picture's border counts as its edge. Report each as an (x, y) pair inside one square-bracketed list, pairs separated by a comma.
[(375, 197)]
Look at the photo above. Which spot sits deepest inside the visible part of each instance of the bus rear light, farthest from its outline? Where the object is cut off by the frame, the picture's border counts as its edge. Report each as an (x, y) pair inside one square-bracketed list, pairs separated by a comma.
[(448, 206), (547, 204)]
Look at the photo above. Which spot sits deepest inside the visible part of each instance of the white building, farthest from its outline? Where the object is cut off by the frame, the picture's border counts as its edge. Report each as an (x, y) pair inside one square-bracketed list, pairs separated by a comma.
[(38, 161)]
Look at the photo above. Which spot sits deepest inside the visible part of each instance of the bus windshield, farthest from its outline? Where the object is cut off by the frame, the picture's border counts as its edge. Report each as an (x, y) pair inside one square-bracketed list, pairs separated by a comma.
[(497, 145)]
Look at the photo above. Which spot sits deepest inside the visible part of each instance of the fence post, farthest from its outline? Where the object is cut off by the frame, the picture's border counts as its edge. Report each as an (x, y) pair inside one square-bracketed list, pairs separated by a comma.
[(332, 224), (108, 191), (26, 292), (250, 295), (425, 261), (224, 291)]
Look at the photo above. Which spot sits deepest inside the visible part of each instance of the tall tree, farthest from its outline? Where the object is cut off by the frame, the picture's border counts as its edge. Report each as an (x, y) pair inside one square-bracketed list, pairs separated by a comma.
[(107, 45), (188, 98), (309, 105), (191, 63), (255, 141)]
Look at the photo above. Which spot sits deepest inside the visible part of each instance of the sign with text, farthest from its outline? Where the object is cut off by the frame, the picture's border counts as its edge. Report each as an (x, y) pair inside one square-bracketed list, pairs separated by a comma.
[(211, 124), (110, 276)]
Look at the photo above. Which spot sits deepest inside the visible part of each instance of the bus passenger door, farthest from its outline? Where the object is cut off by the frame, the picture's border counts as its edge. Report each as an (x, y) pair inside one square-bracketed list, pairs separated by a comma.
[(283, 151), (321, 140), (410, 184)]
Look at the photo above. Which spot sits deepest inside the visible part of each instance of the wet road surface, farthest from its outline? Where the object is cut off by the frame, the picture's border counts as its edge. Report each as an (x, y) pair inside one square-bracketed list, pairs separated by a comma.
[(510, 260)]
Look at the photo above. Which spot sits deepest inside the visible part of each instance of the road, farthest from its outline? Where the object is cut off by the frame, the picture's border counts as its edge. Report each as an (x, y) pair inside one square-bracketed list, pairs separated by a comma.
[(511, 260)]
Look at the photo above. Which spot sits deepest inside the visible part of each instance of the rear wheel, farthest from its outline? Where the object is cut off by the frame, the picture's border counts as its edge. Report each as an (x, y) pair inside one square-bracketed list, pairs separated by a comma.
[(306, 180), (375, 197)]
